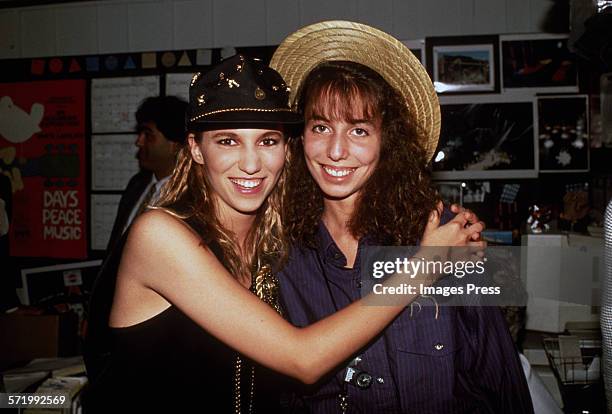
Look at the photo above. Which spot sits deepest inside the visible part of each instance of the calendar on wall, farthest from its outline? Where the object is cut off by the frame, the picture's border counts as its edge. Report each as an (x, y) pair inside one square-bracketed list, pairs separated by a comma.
[(103, 211), (115, 100), (177, 84), (113, 161)]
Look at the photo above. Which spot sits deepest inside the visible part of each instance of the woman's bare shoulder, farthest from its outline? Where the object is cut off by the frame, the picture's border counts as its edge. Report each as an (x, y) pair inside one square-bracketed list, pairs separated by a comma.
[(159, 225), (162, 251), (157, 237)]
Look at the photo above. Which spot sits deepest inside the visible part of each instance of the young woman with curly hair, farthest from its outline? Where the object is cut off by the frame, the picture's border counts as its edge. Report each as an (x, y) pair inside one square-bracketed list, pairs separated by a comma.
[(360, 179), (378, 168)]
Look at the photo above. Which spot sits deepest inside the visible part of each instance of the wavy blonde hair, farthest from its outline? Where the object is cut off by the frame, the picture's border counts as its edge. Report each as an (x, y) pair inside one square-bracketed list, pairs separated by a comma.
[(188, 196)]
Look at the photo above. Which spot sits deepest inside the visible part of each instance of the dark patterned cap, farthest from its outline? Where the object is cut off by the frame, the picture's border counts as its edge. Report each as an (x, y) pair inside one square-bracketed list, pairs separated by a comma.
[(239, 90)]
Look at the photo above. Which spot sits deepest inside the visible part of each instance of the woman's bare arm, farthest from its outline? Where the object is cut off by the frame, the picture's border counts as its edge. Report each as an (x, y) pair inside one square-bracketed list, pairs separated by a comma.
[(164, 255)]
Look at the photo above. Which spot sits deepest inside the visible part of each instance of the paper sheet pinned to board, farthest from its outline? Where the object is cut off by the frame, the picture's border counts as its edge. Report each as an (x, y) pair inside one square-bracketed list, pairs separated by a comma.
[(103, 212), (177, 84), (113, 161), (115, 100)]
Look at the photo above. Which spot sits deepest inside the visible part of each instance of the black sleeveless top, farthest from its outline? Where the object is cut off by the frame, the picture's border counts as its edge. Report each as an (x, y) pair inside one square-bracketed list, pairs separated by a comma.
[(168, 363)]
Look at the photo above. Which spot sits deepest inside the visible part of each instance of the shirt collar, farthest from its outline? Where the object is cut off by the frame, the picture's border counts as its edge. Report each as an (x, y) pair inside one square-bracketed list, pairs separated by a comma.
[(159, 183), (329, 251), (325, 242)]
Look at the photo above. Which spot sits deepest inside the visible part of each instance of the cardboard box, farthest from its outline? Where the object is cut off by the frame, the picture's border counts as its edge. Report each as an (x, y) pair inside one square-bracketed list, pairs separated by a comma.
[(25, 337), (547, 311)]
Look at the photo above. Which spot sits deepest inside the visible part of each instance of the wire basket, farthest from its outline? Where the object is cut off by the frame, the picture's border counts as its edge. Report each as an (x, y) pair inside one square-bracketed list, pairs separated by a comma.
[(579, 378)]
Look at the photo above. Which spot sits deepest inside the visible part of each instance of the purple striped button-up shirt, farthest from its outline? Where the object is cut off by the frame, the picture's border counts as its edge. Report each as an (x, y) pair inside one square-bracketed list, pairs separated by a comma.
[(462, 362)]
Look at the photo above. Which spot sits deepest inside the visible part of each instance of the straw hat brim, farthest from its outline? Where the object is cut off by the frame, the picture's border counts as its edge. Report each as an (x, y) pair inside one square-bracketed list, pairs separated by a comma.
[(337, 40)]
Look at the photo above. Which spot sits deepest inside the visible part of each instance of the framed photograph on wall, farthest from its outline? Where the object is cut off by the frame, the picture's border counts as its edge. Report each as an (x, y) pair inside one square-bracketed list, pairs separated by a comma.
[(486, 137), (563, 133), (463, 64), (538, 63), (417, 47)]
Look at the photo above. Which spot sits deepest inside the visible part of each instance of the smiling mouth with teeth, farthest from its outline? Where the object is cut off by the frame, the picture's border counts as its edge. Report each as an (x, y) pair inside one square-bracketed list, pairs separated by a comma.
[(338, 172), (252, 183)]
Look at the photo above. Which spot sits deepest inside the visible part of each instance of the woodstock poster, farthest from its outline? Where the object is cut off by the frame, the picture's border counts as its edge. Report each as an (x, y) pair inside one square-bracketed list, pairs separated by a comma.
[(42, 151)]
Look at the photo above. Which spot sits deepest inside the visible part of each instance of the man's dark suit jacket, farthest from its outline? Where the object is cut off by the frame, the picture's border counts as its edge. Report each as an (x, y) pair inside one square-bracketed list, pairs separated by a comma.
[(97, 345), (138, 183)]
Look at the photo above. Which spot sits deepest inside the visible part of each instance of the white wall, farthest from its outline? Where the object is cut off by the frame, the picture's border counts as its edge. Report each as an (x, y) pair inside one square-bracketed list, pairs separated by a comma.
[(141, 25)]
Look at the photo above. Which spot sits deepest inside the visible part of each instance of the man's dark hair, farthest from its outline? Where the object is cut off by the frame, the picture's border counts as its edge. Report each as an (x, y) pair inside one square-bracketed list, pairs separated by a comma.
[(168, 113)]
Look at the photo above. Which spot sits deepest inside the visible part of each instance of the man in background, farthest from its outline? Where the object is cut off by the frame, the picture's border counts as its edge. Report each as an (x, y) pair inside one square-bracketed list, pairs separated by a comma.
[(161, 130)]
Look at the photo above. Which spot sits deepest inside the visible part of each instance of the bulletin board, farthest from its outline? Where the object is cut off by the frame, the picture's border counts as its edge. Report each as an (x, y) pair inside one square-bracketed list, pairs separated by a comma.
[(67, 134)]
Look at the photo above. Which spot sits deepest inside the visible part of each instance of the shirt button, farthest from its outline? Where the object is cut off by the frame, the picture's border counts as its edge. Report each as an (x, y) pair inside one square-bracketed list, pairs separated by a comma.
[(363, 381), (358, 283), (337, 256), (380, 380), (439, 346)]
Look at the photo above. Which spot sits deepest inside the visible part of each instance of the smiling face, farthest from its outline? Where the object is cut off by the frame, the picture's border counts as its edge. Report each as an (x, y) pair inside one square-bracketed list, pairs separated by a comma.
[(242, 166), (361, 149), (342, 142)]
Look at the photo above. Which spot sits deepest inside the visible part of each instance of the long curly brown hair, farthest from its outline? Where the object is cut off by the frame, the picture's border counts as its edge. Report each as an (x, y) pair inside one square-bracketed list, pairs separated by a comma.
[(188, 195), (396, 200)]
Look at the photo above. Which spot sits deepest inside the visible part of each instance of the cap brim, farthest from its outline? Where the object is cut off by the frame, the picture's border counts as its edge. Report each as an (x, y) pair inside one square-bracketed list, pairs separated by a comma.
[(340, 40), (247, 118)]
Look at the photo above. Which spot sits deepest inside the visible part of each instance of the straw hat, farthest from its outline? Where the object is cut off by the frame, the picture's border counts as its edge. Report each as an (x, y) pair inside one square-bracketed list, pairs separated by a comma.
[(335, 40)]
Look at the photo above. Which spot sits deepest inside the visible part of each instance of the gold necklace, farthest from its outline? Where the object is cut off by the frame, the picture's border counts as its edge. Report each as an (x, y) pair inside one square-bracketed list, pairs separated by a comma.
[(265, 286)]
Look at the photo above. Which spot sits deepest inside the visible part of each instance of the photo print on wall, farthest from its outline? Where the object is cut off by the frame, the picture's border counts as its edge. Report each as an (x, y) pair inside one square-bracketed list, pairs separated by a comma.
[(485, 137), (538, 63), (563, 133), (459, 65)]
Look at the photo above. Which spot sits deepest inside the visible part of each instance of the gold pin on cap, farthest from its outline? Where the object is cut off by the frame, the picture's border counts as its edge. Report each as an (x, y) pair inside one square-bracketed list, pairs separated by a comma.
[(259, 94)]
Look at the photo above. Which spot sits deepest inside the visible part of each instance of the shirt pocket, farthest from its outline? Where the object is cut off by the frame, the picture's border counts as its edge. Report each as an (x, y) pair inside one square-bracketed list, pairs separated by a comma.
[(426, 368)]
